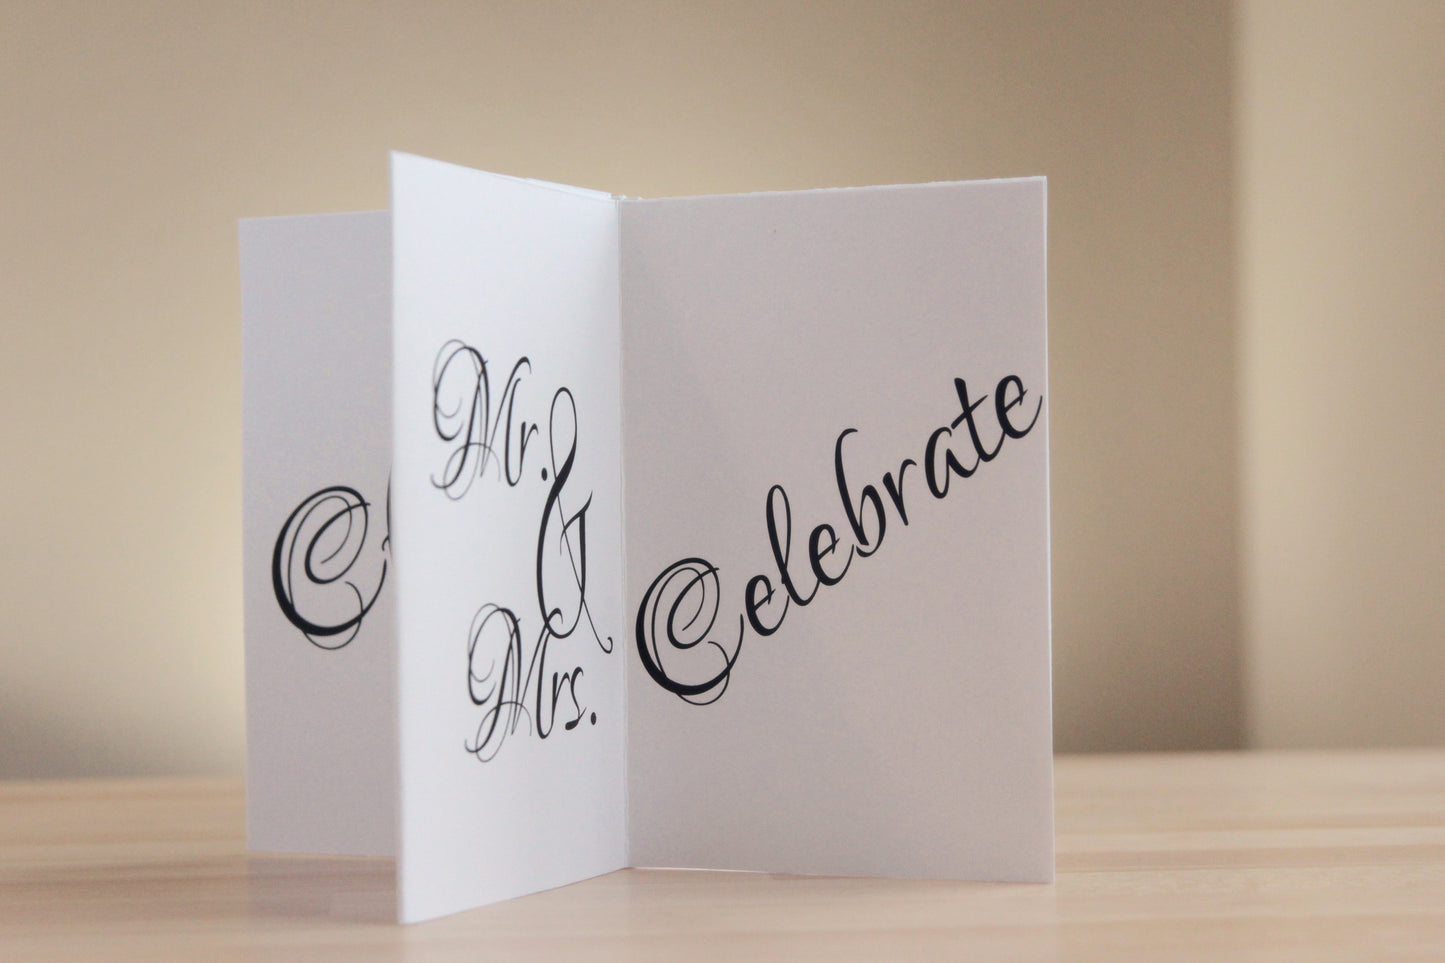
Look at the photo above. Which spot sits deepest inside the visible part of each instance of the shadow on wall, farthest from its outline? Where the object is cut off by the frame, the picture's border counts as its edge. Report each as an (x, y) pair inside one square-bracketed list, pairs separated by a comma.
[(45, 741)]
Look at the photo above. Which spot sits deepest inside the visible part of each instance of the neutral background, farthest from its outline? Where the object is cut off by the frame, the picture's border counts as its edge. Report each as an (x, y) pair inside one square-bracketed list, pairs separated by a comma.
[(1247, 311)]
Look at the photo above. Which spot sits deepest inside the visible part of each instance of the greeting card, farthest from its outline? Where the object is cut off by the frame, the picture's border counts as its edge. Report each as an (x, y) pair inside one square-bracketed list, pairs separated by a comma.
[(585, 532)]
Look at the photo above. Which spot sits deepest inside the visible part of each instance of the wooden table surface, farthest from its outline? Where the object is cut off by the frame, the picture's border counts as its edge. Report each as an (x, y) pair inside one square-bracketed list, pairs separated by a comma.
[(1236, 856)]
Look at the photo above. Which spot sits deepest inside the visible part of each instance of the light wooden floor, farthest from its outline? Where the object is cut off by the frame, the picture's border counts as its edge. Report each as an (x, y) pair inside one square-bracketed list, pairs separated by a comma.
[(1255, 856)]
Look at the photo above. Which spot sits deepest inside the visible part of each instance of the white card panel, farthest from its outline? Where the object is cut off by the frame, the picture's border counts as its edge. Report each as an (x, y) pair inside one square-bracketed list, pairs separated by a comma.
[(791, 360), (320, 624), (508, 535)]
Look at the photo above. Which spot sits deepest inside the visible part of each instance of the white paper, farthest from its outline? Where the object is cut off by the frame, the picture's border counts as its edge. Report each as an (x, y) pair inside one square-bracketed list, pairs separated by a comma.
[(320, 626), (899, 723), (503, 354), (499, 796)]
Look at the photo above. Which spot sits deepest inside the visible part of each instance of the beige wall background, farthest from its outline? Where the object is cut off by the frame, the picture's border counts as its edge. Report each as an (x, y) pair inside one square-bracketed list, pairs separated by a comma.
[(1240, 333), (1341, 129)]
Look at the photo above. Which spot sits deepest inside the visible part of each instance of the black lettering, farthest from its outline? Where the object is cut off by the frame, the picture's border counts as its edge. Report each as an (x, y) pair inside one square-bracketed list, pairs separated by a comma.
[(783, 549), (930, 464), (895, 491), (817, 551), (751, 604), (869, 496), (676, 617), (1002, 405), (680, 607), (967, 416)]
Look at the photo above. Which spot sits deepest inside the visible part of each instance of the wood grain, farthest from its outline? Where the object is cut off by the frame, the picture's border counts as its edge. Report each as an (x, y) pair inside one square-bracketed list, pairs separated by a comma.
[(1238, 856)]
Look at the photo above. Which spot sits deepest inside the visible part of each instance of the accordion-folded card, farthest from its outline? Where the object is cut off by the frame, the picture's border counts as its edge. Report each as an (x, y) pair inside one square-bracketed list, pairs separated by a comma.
[(586, 532)]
